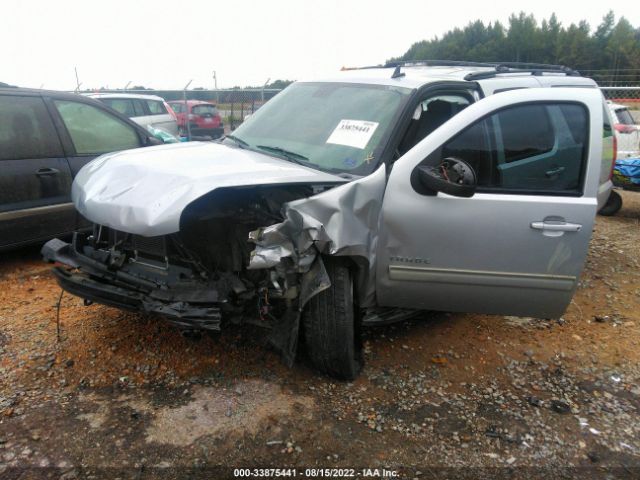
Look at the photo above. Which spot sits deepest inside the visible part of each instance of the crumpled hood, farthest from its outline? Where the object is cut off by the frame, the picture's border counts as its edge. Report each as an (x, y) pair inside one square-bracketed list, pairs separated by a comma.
[(144, 191)]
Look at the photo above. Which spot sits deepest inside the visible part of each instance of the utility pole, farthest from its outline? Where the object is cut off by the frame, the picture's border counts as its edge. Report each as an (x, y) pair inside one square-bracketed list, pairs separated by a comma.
[(77, 80), (263, 87), (186, 110), (215, 85), (127, 85)]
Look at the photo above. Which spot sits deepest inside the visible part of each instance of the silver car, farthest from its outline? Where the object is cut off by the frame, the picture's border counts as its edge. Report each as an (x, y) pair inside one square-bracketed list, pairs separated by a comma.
[(145, 110), (360, 199)]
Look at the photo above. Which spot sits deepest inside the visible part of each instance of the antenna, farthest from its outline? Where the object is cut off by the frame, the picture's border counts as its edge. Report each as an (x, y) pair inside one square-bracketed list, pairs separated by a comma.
[(397, 73)]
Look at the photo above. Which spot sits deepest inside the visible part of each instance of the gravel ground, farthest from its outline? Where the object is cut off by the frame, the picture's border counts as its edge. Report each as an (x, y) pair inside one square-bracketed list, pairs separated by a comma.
[(122, 395)]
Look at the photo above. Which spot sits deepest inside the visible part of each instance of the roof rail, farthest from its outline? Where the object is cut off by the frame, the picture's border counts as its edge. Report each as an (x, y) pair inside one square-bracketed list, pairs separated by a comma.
[(498, 67)]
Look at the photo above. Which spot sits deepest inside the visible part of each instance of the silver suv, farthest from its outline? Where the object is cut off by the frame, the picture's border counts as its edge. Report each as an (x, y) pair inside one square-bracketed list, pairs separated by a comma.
[(359, 199)]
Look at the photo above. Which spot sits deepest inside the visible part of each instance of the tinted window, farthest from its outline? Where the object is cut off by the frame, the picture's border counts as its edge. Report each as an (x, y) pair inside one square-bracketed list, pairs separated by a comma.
[(156, 107), (122, 105), (507, 157), (526, 131), (95, 131), (26, 130)]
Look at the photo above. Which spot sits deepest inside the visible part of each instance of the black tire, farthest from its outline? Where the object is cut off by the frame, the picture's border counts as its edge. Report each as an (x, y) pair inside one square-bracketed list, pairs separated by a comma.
[(331, 329), (614, 203)]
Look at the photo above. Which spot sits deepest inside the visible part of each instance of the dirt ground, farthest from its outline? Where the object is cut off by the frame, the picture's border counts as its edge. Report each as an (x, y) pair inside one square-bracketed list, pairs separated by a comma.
[(122, 395)]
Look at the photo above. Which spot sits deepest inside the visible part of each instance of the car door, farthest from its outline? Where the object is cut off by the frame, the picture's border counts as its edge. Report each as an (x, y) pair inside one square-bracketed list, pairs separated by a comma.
[(89, 130), (35, 179), (518, 245)]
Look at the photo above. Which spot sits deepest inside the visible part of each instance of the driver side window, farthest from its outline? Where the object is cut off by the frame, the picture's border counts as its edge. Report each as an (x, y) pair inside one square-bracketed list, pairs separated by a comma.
[(429, 115), (530, 148)]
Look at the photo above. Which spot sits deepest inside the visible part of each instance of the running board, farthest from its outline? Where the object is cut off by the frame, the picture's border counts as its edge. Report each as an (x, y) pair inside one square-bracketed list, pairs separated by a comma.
[(385, 316)]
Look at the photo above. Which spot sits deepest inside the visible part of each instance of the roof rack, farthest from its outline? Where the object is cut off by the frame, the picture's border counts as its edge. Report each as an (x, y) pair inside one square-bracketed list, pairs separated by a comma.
[(498, 67)]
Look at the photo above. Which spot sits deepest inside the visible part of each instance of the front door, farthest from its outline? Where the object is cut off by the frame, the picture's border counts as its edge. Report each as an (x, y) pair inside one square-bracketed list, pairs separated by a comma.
[(519, 244)]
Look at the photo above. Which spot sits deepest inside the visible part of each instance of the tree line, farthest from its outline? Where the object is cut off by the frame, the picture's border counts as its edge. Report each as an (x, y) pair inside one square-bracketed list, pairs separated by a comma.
[(610, 53)]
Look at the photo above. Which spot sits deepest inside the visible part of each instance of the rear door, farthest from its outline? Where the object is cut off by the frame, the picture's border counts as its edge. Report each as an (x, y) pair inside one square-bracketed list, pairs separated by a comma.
[(35, 179), (519, 244)]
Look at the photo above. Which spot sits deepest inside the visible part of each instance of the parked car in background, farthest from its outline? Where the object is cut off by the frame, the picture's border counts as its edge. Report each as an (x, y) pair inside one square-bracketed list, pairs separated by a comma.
[(626, 130), (145, 110), (204, 118), (45, 139), (358, 199)]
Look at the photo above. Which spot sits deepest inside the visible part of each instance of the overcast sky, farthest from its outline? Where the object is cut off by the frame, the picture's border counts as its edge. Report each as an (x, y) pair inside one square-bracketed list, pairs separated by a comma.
[(164, 44)]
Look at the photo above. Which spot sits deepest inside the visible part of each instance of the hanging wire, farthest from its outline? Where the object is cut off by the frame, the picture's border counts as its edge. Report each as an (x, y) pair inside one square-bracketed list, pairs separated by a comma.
[(58, 315)]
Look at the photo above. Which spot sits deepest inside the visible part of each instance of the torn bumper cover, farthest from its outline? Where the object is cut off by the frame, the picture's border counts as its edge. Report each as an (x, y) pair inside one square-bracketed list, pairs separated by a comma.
[(96, 283)]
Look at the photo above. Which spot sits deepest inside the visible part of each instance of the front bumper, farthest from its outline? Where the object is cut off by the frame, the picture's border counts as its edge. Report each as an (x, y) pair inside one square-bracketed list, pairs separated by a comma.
[(93, 281)]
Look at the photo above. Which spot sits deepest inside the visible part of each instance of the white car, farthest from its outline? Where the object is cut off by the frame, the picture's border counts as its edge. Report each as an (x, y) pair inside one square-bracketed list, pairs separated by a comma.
[(145, 110), (626, 130)]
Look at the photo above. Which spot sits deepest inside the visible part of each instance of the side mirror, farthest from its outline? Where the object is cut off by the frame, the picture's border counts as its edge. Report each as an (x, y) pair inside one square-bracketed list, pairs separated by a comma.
[(151, 141), (453, 177)]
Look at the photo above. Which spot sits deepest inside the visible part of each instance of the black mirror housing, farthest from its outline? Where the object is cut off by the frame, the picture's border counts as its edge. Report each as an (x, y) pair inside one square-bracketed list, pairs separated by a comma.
[(453, 176), (151, 141)]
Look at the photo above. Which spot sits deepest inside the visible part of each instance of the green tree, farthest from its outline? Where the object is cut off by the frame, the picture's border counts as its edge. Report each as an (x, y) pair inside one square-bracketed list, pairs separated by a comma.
[(610, 54)]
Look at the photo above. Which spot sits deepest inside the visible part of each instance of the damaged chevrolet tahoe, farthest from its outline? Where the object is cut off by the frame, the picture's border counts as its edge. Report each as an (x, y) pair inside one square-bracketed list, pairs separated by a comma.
[(355, 200)]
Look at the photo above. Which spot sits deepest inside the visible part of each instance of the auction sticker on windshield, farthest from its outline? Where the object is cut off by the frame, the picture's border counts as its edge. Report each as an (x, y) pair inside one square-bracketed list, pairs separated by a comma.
[(353, 133)]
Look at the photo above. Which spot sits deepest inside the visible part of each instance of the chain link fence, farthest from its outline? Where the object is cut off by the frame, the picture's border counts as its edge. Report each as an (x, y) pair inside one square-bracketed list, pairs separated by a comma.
[(629, 96), (234, 104)]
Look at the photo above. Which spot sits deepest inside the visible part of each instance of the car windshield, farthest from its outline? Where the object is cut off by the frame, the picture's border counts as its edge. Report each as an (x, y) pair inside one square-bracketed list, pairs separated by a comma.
[(330, 126)]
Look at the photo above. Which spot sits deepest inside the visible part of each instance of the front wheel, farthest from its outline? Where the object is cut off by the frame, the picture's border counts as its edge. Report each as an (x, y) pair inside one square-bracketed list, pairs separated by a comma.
[(331, 331)]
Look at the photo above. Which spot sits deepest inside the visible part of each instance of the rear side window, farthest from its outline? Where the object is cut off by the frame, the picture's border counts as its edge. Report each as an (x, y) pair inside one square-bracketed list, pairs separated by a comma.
[(537, 149), (122, 105), (26, 130), (177, 107), (139, 107), (624, 117), (94, 131), (156, 107)]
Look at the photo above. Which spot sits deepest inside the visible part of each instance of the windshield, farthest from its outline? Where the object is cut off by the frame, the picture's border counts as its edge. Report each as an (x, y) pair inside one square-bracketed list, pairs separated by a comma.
[(331, 126)]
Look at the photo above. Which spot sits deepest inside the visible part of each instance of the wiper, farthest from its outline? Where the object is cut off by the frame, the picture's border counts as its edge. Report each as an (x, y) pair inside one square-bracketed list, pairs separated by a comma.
[(238, 141), (296, 157)]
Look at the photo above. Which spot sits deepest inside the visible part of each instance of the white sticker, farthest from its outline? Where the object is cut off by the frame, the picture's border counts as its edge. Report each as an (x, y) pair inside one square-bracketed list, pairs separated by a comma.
[(353, 133)]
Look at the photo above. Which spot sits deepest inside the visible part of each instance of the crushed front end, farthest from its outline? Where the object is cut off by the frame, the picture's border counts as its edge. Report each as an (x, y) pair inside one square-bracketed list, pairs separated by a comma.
[(196, 277)]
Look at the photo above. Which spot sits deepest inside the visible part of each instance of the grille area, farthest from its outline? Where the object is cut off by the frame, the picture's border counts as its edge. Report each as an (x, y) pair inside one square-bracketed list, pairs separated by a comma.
[(155, 246)]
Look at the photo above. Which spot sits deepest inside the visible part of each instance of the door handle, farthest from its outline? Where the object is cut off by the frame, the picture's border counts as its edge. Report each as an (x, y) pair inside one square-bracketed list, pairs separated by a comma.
[(555, 228), (554, 171), (46, 172)]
